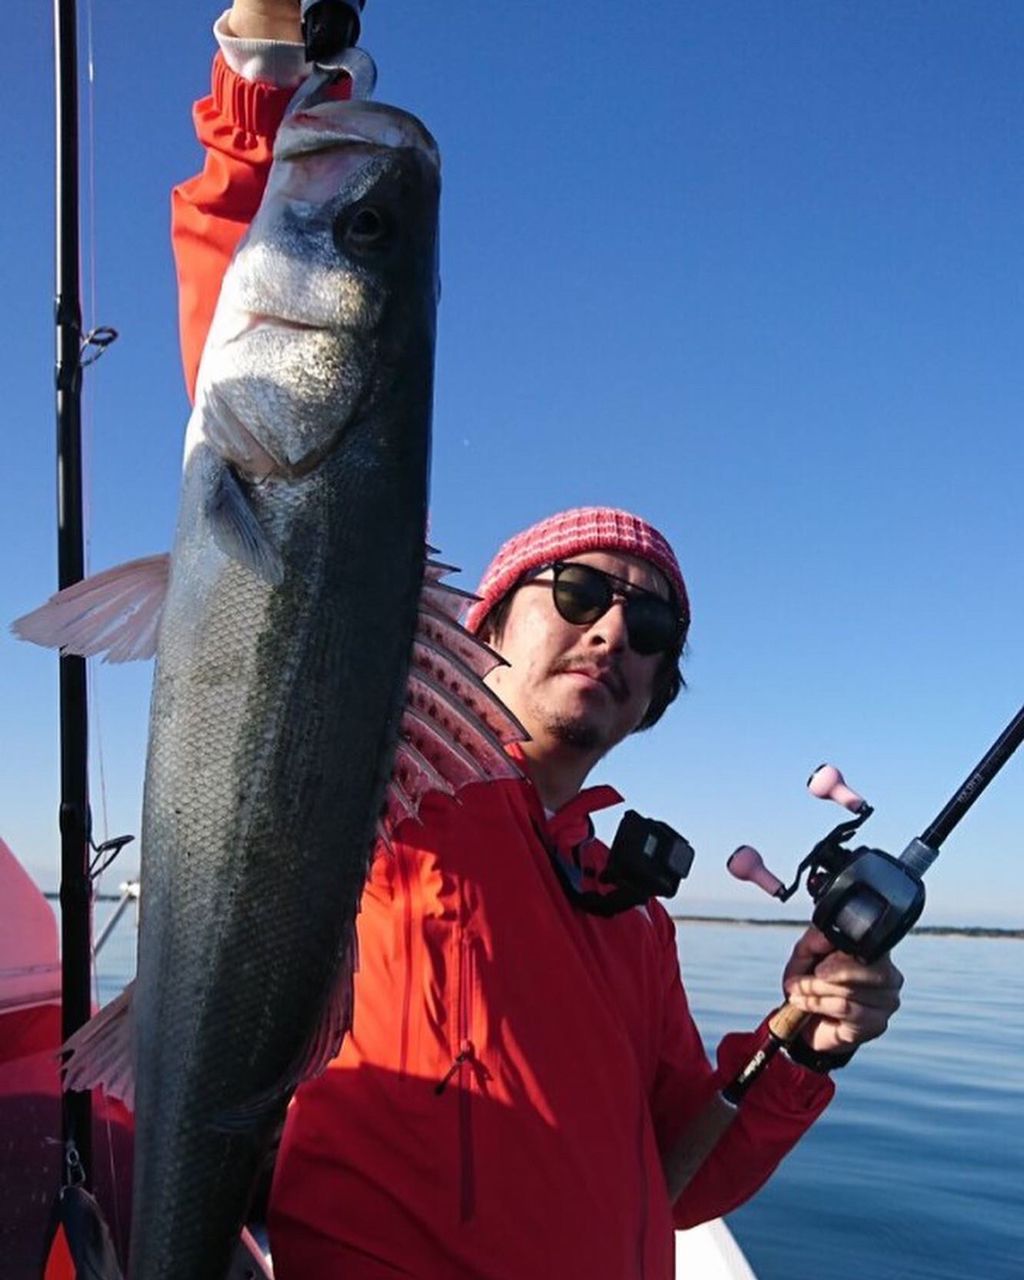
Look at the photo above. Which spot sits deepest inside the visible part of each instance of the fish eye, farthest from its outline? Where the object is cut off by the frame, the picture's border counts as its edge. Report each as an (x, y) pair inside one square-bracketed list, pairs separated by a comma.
[(367, 229)]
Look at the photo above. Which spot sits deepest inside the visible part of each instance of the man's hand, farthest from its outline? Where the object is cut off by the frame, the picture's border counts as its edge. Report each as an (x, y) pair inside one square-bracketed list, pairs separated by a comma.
[(266, 20), (853, 1002)]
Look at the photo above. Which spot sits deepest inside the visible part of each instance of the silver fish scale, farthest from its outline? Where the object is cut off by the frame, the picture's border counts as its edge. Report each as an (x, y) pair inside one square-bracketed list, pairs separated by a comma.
[(273, 721), (300, 382), (262, 792)]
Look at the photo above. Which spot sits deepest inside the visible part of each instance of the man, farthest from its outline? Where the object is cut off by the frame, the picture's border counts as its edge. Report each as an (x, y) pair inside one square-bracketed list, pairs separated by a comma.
[(519, 1067)]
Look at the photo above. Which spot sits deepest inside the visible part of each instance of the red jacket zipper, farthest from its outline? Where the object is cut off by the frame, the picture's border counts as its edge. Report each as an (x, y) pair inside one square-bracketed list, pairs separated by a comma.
[(465, 1058), (403, 1047)]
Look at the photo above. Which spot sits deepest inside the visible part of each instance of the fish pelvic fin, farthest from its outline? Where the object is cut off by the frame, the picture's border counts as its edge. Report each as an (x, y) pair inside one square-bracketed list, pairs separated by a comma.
[(454, 729), (115, 613), (101, 1053), (237, 531)]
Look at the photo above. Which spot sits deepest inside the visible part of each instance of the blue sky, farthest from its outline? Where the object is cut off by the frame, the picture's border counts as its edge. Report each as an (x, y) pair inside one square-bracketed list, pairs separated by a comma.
[(751, 269)]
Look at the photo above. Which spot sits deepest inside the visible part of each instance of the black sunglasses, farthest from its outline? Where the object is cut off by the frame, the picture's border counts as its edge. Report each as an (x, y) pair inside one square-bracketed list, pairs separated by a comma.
[(582, 594)]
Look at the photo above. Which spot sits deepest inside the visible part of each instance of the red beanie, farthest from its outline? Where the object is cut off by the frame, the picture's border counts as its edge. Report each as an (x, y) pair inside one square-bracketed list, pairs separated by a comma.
[(571, 533)]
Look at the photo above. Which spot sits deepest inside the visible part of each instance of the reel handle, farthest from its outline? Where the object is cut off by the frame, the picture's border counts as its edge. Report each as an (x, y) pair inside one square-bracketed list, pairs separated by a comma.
[(827, 783), (745, 863)]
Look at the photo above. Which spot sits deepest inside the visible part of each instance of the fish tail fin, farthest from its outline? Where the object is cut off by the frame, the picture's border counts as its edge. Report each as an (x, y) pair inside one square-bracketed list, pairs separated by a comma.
[(101, 1052), (82, 1247), (115, 613)]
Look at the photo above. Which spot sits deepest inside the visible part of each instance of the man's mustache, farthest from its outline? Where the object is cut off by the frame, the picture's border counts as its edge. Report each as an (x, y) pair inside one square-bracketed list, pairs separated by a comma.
[(609, 673)]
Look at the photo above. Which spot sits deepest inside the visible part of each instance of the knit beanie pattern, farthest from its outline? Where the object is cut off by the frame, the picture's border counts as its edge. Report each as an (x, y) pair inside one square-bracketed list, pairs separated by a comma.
[(571, 533)]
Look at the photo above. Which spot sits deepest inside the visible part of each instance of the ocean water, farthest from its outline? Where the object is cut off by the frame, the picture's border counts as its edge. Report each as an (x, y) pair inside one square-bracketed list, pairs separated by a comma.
[(916, 1171)]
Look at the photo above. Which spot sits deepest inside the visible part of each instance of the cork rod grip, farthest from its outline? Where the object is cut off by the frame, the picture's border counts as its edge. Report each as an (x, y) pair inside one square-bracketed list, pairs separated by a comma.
[(785, 1023)]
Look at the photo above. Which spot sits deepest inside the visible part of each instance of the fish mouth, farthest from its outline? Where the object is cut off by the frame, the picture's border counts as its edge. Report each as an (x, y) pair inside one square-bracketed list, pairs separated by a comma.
[(265, 320), (367, 126), (251, 323)]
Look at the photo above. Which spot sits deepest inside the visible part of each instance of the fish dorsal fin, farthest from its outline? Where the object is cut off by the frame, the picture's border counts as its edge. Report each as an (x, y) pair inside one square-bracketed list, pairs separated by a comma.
[(466, 690), (101, 1053), (416, 774), (446, 599), (454, 729), (455, 717), (115, 613), (449, 635)]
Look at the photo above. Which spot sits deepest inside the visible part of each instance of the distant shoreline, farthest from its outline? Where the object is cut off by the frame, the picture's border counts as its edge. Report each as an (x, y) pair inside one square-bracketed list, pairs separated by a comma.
[(931, 930)]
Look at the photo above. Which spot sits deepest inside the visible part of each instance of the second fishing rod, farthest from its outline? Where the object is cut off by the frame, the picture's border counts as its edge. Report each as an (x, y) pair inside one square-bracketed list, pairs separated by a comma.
[(866, 901)]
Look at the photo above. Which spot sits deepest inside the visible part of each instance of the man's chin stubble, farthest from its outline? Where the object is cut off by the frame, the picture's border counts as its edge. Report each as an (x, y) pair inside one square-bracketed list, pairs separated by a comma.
[(578, 733)]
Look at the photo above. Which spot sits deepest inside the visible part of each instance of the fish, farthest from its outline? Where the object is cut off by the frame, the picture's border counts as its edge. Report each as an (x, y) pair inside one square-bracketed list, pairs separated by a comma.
[(312, 681)]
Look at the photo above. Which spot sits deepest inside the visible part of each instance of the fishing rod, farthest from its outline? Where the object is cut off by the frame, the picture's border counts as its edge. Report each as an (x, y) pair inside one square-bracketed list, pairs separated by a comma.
[(75, 823), (76, 882), (866, 901)]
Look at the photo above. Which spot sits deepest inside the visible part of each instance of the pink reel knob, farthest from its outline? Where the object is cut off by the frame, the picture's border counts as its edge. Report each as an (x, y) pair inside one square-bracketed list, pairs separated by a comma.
[(827, 783), (747, 864)]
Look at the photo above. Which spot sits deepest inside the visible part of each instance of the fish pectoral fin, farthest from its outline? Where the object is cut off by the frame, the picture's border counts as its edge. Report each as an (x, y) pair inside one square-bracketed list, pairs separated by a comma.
[(101, 1052), (322, 1046), (115, 613), (236, 529)]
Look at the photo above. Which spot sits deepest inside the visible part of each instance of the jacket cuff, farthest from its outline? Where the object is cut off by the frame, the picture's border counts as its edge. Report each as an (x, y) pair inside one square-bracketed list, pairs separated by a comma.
[(784, 1088), (253, 108), (274, 62)]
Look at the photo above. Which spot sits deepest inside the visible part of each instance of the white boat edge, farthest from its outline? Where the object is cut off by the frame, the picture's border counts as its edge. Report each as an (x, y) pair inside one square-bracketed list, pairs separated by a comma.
[(707, 1252), (710, 1252)]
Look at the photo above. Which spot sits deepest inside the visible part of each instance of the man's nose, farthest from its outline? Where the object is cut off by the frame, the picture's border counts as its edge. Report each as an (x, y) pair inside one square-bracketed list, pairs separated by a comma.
[(610, 628)]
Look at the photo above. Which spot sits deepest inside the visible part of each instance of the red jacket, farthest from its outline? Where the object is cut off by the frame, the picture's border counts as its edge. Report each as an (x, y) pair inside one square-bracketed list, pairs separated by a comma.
[(516, 1066)]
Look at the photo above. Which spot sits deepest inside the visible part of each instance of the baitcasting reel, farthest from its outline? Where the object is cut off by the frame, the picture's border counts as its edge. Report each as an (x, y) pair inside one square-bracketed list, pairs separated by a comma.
[(865, 900)]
